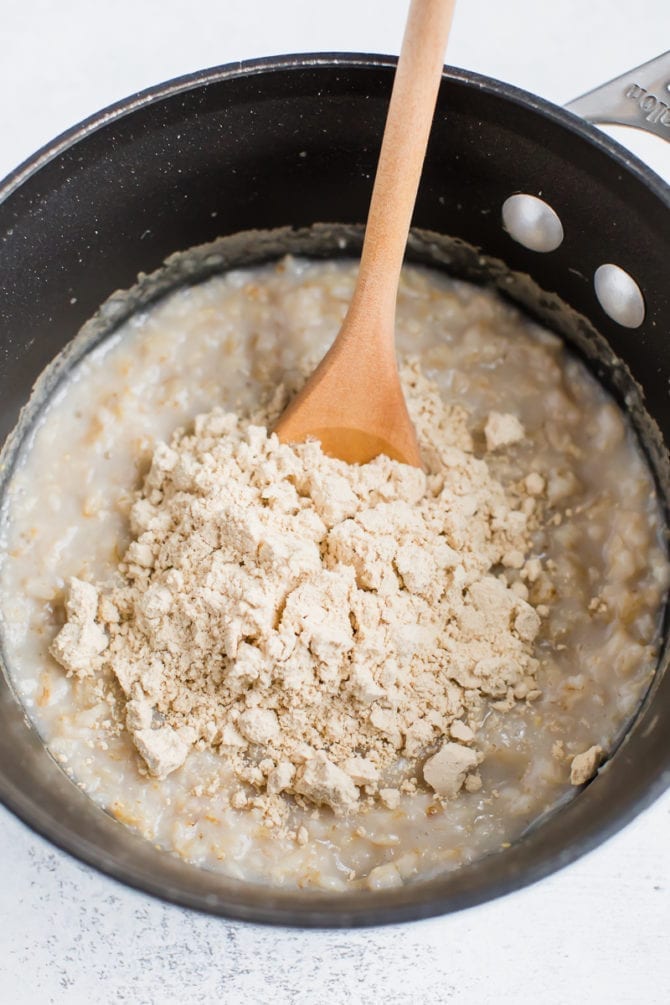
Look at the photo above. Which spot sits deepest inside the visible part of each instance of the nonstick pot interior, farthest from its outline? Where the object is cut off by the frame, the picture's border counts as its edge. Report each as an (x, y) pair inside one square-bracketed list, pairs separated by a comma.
[(289, 143)]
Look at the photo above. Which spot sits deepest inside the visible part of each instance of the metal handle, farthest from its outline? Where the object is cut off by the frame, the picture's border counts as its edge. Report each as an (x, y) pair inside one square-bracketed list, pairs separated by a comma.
[(638, 98)]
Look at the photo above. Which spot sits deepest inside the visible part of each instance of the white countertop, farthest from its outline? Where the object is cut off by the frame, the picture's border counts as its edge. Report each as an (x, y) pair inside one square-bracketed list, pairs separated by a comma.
[(598, 930)]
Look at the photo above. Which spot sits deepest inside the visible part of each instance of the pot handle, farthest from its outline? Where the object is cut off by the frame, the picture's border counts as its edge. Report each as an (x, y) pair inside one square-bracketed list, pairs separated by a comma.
[(638, 98)]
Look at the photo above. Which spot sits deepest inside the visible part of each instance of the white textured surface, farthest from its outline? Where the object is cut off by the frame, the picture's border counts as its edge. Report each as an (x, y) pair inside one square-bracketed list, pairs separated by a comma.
[(595, 932)]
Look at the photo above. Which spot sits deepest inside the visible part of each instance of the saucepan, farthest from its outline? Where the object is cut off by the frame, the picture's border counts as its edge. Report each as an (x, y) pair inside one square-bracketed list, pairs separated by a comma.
[(515, 192)]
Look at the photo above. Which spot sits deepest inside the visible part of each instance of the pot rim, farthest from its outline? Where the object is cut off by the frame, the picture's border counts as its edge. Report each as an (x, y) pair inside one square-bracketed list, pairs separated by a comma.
[(265, 905), (249, 67)]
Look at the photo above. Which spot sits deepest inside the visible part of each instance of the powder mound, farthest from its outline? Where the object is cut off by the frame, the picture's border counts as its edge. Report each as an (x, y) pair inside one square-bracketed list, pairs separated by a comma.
[(324, 627)]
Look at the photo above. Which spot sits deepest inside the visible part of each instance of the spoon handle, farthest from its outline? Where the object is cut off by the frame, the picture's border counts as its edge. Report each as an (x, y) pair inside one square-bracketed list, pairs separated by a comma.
[(403, 149)]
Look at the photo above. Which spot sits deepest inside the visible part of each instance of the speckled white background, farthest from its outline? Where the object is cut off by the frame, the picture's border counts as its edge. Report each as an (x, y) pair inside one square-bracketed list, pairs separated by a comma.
[(596, 932)]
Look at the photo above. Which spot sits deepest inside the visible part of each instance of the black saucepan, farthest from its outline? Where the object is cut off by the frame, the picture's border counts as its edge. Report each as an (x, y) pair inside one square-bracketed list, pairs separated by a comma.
[(288, 143)]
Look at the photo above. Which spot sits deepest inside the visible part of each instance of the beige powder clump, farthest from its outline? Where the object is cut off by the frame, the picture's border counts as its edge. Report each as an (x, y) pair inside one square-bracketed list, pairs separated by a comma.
[(325, 628), (585, 765)]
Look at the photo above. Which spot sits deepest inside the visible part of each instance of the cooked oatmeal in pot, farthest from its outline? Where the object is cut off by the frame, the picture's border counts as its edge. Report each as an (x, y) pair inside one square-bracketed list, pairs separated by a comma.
[(301, 672)]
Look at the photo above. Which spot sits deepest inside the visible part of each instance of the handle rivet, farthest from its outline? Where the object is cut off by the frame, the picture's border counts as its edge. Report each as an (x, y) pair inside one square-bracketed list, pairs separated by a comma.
[(619, 295), (532, 222)]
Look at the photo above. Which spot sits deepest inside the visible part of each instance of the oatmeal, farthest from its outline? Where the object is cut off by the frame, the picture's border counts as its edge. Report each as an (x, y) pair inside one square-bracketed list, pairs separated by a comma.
[(485, 630)]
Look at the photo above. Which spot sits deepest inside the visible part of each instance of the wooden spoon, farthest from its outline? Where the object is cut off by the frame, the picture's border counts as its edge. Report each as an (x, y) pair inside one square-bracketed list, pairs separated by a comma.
[(353, 402)]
